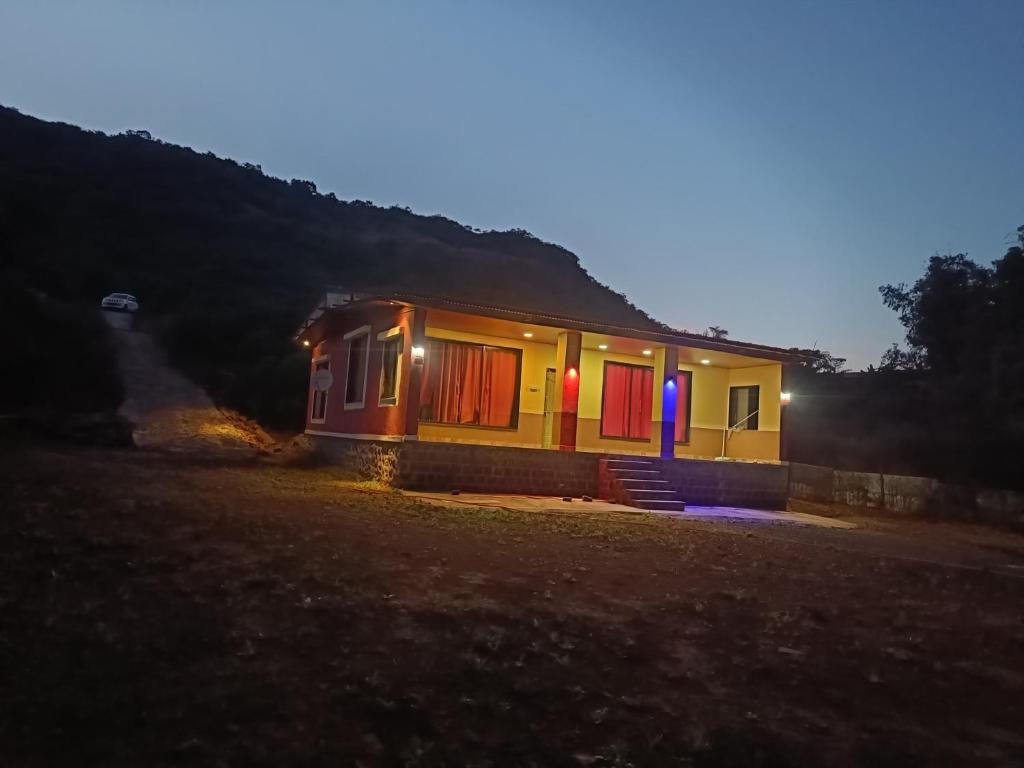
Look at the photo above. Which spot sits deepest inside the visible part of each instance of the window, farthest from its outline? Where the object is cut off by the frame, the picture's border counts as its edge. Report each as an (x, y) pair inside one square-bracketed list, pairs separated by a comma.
[(626, 401), (355, 378), (391, 358), (743, 407), (684, 398), (470, 384), (319, 411)]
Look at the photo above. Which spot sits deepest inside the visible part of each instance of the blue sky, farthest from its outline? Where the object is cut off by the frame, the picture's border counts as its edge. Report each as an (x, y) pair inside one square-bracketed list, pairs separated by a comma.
[(759, 166)]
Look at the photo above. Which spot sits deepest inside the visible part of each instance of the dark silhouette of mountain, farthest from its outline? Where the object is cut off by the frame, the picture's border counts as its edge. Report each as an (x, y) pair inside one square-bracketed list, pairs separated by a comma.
[(228, 260)]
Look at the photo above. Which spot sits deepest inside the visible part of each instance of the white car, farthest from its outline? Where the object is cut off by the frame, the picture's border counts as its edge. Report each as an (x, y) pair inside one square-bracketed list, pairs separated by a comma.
[(122, 302)]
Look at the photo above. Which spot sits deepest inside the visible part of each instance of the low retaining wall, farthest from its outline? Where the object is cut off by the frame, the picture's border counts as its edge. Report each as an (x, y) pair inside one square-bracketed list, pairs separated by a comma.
[(901, 494), (427, 466), (728, 483)]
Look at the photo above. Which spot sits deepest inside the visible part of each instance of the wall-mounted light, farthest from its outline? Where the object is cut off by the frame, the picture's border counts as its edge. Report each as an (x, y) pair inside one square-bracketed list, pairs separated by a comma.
[(418, 355), (571, 373), (305, 342), (786, 397), (528, 335), (602, 346), (647, 353), (705, 361)]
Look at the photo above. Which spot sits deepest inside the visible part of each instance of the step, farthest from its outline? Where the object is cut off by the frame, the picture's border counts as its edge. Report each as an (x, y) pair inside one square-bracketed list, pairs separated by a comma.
[(636, 474), (641, 483), (627, 463), (661, 506), (644, 493)]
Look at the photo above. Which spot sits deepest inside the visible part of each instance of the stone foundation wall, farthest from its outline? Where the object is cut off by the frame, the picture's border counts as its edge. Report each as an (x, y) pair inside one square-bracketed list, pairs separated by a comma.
[(728, 483), (493, 469), (425, 466), (370, 459), (902, 495)]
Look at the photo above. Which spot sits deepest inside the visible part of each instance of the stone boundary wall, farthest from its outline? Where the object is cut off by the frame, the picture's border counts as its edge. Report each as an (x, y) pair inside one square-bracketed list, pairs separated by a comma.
[(900, 494), (428, 466)]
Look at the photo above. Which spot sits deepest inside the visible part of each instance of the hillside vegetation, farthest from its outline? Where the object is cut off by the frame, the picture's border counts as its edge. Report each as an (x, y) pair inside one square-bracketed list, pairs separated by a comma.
[(226, 260)]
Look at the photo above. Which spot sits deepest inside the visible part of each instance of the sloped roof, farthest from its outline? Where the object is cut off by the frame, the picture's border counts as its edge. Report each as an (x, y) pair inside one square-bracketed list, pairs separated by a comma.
[(341, 301)]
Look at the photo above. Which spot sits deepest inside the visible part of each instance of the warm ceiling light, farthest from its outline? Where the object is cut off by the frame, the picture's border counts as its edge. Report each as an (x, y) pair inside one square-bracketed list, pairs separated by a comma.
[(528, 335), (647, 352), (705, 361), (305, 342), (602, 346)]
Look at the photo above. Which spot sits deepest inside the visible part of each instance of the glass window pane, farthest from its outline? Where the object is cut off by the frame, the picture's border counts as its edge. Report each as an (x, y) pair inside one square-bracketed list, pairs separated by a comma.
[(356, 378)]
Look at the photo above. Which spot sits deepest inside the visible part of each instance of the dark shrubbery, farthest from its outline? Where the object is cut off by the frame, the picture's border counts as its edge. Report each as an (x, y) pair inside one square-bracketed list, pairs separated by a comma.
[(58, 358), (950, 405)]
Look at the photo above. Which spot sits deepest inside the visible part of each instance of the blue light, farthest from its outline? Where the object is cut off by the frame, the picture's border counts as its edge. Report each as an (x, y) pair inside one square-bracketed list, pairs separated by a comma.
[(669, 397)]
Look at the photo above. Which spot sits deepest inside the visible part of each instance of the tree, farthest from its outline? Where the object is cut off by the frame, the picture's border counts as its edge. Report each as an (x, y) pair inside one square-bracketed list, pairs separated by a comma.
[(896, 359), (947, 313), (716, 332)]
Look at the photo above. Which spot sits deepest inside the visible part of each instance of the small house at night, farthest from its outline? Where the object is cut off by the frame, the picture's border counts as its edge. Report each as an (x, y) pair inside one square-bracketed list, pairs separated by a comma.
[(436, 393)]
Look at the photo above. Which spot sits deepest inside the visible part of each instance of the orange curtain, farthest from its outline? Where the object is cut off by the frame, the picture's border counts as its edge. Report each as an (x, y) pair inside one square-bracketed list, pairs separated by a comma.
[(499, 387), (458, 399), (468, 384)]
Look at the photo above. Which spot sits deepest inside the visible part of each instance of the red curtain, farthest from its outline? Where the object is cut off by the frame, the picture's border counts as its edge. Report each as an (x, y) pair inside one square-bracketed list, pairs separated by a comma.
[(468, 384), (683, 407), (627, 401)]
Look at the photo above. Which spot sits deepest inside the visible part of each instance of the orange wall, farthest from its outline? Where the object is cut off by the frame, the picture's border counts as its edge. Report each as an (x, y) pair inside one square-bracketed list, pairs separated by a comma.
[(373, 418)]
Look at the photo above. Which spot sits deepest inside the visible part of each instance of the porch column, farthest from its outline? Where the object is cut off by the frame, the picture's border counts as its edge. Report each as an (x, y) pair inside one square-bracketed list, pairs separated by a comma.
[(669, 394), (567, 389), (410, 385)]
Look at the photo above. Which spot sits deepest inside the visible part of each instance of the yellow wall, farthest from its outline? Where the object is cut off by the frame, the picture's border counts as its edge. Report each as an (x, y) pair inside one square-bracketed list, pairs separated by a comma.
[(710, 407), (537, 358), (588, 428)]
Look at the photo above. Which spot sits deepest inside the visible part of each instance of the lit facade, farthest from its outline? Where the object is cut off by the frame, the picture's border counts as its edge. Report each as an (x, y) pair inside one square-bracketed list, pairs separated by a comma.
[(510, 378)]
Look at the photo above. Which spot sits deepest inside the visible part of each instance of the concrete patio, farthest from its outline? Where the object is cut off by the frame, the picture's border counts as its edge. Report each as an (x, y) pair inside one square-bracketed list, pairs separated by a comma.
[(527, 503)]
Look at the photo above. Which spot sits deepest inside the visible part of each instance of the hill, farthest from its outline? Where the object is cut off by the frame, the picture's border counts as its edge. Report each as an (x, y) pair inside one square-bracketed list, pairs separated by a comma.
[(226, 260)]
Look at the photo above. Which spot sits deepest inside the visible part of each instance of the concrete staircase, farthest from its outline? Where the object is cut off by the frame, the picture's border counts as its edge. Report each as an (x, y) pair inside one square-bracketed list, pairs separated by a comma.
[(638, 483)]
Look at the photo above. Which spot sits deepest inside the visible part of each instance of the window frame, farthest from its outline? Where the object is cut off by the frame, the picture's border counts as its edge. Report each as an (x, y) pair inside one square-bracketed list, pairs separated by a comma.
[(364, 330), (604, 384), (316, 393), (514, 426), (689, 404), (756, 419), (389, 336)]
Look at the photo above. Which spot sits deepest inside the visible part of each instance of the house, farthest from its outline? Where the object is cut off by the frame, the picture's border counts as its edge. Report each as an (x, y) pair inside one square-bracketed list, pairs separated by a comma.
[(396, 369)]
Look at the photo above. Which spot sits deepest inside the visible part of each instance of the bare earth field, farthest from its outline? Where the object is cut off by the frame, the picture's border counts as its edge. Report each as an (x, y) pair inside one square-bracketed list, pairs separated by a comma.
[(161, 611)]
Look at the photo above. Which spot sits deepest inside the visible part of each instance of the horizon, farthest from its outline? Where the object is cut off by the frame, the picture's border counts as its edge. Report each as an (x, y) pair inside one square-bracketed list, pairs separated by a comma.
[(878, 137)]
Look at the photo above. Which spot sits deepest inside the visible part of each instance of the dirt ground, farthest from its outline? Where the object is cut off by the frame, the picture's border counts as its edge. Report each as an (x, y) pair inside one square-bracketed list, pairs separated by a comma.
[(156, 610)]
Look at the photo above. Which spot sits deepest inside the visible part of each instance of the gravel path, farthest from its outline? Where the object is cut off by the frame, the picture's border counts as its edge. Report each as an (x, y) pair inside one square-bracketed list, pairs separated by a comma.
[(169, 411)]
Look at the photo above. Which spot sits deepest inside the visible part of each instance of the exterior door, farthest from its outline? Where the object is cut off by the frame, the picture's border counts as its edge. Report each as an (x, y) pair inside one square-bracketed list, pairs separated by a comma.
[(549, 407)]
